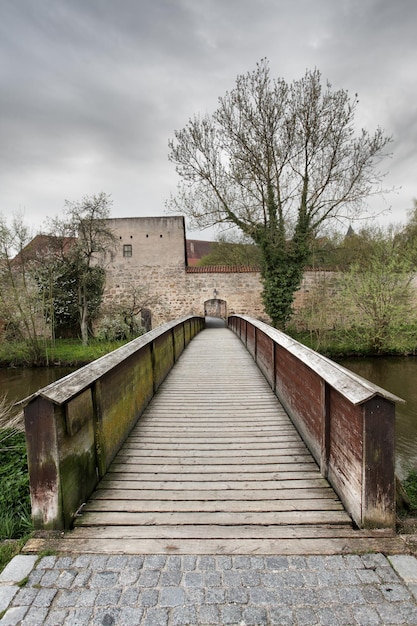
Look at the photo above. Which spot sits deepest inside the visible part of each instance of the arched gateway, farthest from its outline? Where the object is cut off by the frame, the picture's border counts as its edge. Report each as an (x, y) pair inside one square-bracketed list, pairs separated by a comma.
[(215, 308)]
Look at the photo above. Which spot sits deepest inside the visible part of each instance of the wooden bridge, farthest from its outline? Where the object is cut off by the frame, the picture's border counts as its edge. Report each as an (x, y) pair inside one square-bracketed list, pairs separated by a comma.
[(214, 465)]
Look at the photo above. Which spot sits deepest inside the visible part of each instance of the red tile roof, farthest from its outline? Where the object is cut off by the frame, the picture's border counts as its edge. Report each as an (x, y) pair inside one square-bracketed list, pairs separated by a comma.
[(222, 269)]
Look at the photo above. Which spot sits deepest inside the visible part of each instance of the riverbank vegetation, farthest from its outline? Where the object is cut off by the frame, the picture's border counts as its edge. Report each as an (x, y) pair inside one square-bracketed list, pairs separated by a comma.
[(410, 486), (52, 286), (64, 352), (407, 504), (356, 342), (368, 306), (15, 513)]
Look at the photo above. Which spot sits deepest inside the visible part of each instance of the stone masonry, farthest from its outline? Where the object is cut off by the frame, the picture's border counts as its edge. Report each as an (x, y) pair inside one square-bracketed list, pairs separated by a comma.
[(151, 253)]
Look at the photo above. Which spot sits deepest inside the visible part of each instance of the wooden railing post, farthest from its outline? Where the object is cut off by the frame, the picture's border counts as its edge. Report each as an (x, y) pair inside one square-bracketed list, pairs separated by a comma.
[(43, 463), (326, 426), (378, 463)]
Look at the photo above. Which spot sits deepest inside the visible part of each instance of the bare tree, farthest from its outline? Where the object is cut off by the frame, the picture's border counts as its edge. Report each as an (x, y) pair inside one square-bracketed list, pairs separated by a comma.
[(277, 160), (123, 319), (20, 305), (91, 239)]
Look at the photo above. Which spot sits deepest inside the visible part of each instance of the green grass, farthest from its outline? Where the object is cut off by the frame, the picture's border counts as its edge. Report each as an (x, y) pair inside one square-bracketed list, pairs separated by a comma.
[(69, 352), (9, 549), (410, 486), (72, 352), (15, 511), (354, 342)]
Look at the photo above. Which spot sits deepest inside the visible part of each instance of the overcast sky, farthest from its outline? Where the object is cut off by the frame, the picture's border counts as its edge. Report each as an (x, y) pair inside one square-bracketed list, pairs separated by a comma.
[(92, 90)]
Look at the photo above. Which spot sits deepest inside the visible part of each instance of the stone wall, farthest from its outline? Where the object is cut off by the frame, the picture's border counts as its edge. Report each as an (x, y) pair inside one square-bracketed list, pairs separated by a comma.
[(154, 241), (174, 292), (240, 289), (158, 262)]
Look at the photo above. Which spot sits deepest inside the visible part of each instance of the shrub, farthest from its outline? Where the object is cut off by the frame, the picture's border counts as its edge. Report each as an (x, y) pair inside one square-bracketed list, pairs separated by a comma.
[(15, 510), (410, 486), (117, 328)]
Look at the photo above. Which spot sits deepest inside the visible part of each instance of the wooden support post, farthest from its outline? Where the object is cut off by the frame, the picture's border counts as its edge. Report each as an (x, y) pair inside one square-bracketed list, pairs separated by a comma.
[(43, 463), (326, 425), (378, 496)]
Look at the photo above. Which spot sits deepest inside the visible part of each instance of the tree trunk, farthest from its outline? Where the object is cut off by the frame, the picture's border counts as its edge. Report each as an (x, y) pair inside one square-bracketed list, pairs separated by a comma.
[(280, 283), (282, 273), (83, 308)]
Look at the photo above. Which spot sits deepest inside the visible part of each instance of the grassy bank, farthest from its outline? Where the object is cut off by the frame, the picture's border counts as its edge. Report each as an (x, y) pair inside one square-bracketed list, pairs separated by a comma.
[(332, 343), (66, 352), (352, 342), (9, 549), (15, 512)]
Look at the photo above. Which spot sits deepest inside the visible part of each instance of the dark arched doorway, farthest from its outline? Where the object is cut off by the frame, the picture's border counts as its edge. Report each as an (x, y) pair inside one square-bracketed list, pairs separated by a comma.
[(215, 308), (146, 318)]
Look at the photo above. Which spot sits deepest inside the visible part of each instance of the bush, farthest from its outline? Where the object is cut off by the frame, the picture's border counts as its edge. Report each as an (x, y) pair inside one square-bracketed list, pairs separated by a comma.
[(410, 486), (117, 329), (15, 510), (354, 341), (13, 354)]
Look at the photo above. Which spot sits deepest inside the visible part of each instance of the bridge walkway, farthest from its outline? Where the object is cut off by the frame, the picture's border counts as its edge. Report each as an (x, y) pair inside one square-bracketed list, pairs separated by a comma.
[(214, 466)]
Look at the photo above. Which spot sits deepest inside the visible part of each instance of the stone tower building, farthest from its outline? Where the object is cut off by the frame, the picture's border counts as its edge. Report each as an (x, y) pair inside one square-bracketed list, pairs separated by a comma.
[(151, 255)]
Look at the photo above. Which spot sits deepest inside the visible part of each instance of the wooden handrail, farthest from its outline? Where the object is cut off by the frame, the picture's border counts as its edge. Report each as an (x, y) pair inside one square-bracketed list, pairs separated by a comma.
[(352, 386), (75, 426), (72, 384), (347, 422)]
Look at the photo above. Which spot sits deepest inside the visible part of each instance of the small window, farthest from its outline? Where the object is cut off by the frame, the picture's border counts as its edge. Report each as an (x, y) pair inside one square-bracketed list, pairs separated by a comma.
[(127, 250)]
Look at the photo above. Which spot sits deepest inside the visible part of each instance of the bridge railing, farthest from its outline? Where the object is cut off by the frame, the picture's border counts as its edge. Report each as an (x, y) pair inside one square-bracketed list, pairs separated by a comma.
[(347, 422), (75, 426)]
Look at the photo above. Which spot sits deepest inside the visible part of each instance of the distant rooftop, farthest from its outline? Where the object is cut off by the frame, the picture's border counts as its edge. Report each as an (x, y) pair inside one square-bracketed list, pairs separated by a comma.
[(196, 249)]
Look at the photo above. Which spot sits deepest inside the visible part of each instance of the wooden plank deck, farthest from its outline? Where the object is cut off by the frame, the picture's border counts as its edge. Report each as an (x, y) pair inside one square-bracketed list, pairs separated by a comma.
[(215, 466)]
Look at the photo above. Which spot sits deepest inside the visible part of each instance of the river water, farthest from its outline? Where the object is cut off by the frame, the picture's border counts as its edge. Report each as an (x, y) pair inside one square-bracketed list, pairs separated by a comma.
[(19, 382), (399, 376), (396, 374)]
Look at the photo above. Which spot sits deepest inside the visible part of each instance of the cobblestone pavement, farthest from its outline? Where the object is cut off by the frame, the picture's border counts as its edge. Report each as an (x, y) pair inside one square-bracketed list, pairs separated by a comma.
[(202, 590)]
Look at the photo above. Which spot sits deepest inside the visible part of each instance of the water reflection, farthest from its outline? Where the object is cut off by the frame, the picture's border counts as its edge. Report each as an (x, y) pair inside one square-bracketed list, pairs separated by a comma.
[(399, 376), (18, 382)]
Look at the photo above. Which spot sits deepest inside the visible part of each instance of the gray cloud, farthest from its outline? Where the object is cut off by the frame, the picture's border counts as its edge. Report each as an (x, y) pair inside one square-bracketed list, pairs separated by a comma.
[(90, 92)]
